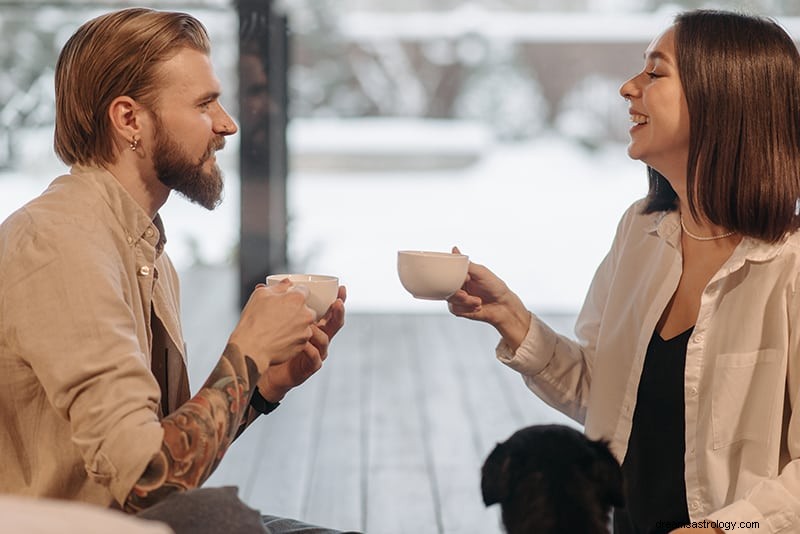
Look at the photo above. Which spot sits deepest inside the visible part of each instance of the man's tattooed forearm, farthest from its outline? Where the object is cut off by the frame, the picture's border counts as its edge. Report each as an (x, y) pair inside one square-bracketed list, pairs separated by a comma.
[(198, 433)]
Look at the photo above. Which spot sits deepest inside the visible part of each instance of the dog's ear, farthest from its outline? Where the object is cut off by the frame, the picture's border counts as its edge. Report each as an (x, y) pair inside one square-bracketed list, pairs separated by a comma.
[(495, 475), (606, 472)]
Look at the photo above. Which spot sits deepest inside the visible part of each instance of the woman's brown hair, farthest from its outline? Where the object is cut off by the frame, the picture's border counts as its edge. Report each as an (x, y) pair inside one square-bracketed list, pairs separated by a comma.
[(113, 55), (741, 78)]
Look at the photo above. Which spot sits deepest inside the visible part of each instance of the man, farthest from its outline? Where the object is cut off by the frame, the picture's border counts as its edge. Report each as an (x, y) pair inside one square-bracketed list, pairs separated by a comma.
[(94, 396)]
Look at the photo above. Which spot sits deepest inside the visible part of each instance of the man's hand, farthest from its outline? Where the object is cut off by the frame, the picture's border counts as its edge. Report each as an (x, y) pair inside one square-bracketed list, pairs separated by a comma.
[(275, 324), (280, 378)]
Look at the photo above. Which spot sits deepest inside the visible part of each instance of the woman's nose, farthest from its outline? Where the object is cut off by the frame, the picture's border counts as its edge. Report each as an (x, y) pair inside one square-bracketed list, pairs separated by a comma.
[(628, 89)]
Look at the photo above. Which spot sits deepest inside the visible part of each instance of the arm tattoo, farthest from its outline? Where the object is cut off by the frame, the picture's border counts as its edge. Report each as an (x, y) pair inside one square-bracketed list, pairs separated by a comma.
[(250, 415), (197, 434)]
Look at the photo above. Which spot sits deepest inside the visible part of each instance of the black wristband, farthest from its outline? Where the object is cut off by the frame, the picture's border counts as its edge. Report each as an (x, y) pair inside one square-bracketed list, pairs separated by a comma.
[(260, 404)]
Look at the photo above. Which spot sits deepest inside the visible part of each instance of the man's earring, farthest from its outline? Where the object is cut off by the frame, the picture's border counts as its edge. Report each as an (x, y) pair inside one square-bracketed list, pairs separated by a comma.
[(134, 143)]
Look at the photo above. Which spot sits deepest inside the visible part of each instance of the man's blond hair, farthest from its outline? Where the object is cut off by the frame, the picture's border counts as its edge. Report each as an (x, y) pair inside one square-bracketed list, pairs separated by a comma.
[(113, 55)]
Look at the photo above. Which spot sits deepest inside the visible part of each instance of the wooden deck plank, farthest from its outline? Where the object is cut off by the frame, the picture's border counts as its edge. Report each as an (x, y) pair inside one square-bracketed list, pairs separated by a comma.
[(389, 437), (533, 409), (334, 495), (278, 478), (455, 463), (263, 453), (491, 411), (400, 499)]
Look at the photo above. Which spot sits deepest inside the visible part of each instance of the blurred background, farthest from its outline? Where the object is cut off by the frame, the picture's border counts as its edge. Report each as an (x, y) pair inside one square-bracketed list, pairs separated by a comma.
[(368, 127), (493, 125)]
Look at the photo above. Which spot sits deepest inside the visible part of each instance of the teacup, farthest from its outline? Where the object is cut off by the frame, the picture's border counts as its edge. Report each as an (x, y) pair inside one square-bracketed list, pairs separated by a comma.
[(431, 275), (322, 289)]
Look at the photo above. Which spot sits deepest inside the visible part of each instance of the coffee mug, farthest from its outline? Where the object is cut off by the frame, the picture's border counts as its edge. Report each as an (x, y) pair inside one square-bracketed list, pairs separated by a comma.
[(322, 289), (431, 275)]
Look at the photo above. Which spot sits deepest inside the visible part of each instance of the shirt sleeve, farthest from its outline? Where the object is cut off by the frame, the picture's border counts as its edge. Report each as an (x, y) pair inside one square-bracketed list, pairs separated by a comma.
[(71, 311), (559, 369)]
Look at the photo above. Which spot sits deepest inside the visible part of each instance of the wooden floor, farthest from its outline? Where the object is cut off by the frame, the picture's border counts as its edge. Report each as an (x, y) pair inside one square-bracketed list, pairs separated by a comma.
[(389, 437)]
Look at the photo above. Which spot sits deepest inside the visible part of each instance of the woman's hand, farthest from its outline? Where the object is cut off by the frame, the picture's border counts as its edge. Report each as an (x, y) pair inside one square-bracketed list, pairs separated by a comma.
[(485, 297)]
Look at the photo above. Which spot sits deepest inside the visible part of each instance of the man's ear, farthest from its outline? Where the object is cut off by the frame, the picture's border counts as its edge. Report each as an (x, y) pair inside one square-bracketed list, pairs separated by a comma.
[(127, 120), (495, 475)]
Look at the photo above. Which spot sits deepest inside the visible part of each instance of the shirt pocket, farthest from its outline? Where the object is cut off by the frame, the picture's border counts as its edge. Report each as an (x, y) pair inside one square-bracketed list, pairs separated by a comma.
[(744, 389)]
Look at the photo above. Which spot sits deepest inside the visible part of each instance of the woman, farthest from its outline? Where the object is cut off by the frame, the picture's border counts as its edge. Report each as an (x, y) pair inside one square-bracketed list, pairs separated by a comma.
[(687, 356)]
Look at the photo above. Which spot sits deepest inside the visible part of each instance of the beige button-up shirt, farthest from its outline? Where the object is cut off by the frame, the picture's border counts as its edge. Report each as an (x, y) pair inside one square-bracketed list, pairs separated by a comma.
[(742, 374), (91, 351)]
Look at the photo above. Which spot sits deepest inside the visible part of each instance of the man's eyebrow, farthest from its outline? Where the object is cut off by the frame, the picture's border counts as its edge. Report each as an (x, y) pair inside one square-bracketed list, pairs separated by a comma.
[(209, 96)]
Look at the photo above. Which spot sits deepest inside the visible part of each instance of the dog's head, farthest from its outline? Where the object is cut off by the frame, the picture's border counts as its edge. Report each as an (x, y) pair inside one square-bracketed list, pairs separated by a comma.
[(552, 479)]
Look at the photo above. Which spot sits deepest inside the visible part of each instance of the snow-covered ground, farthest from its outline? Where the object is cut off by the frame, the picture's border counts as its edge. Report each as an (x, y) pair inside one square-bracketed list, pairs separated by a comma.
[(541, 214)]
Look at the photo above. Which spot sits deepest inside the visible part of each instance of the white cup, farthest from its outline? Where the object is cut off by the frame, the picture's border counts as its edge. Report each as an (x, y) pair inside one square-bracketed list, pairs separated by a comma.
[(431, 275), (322, 289)]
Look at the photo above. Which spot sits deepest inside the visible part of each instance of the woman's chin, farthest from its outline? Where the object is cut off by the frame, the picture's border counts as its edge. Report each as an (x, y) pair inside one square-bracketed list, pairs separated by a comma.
[(633, 153)]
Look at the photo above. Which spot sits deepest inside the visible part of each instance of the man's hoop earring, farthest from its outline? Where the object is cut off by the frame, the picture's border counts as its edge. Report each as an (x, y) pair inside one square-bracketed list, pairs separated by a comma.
[(134, 143)]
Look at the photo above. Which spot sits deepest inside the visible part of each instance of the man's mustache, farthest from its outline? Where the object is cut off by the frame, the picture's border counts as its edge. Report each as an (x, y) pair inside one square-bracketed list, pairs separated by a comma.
[(217, 144)]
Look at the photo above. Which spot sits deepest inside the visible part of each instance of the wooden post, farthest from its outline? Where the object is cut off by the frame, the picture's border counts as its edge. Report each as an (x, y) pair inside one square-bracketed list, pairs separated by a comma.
[(263, 103)]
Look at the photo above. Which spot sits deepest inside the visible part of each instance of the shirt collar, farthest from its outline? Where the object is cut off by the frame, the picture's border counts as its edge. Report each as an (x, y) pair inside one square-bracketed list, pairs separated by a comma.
[(130, 215), (666, 224)]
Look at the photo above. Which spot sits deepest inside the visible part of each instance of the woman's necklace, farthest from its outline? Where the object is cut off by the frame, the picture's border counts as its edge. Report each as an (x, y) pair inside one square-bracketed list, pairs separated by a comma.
[(701, 238)]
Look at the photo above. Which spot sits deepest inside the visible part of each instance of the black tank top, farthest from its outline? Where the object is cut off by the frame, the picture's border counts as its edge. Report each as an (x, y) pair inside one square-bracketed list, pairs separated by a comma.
[(655, 490)]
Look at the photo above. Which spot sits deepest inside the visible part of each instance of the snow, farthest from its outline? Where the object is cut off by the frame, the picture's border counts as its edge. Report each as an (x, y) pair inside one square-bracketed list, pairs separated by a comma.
[(541, 214), (591, 26), (386, 135), (529, 26)]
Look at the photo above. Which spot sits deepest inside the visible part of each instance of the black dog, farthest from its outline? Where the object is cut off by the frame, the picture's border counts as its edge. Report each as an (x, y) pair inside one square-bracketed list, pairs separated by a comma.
[(551, 479)]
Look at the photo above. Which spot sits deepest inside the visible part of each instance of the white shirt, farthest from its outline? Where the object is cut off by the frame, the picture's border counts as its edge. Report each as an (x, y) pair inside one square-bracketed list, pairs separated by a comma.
[(741, 377)]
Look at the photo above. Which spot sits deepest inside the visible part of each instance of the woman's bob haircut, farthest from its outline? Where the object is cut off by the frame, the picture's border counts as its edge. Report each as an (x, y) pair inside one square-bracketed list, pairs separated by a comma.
[(741, 78)]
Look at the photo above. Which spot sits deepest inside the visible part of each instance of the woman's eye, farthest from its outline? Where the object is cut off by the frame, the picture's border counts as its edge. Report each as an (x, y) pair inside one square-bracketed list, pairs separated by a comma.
[(652, 75)]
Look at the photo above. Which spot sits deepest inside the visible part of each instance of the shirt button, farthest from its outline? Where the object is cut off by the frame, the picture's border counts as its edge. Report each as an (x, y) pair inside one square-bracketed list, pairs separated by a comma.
[(699, 338), (148, 232), (130, 240), (693, 391), (144, 270), (695, 505)]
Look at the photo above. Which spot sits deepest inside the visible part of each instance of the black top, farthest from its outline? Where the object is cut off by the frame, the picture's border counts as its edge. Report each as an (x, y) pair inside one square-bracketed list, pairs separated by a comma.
[(653, 469)]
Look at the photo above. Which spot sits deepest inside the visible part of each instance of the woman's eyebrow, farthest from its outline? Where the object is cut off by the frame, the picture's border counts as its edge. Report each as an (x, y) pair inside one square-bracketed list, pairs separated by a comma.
[(656, 54)]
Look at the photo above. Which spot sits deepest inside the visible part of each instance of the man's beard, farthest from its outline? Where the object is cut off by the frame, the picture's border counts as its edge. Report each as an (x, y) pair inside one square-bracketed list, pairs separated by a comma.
[(177, 171)]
